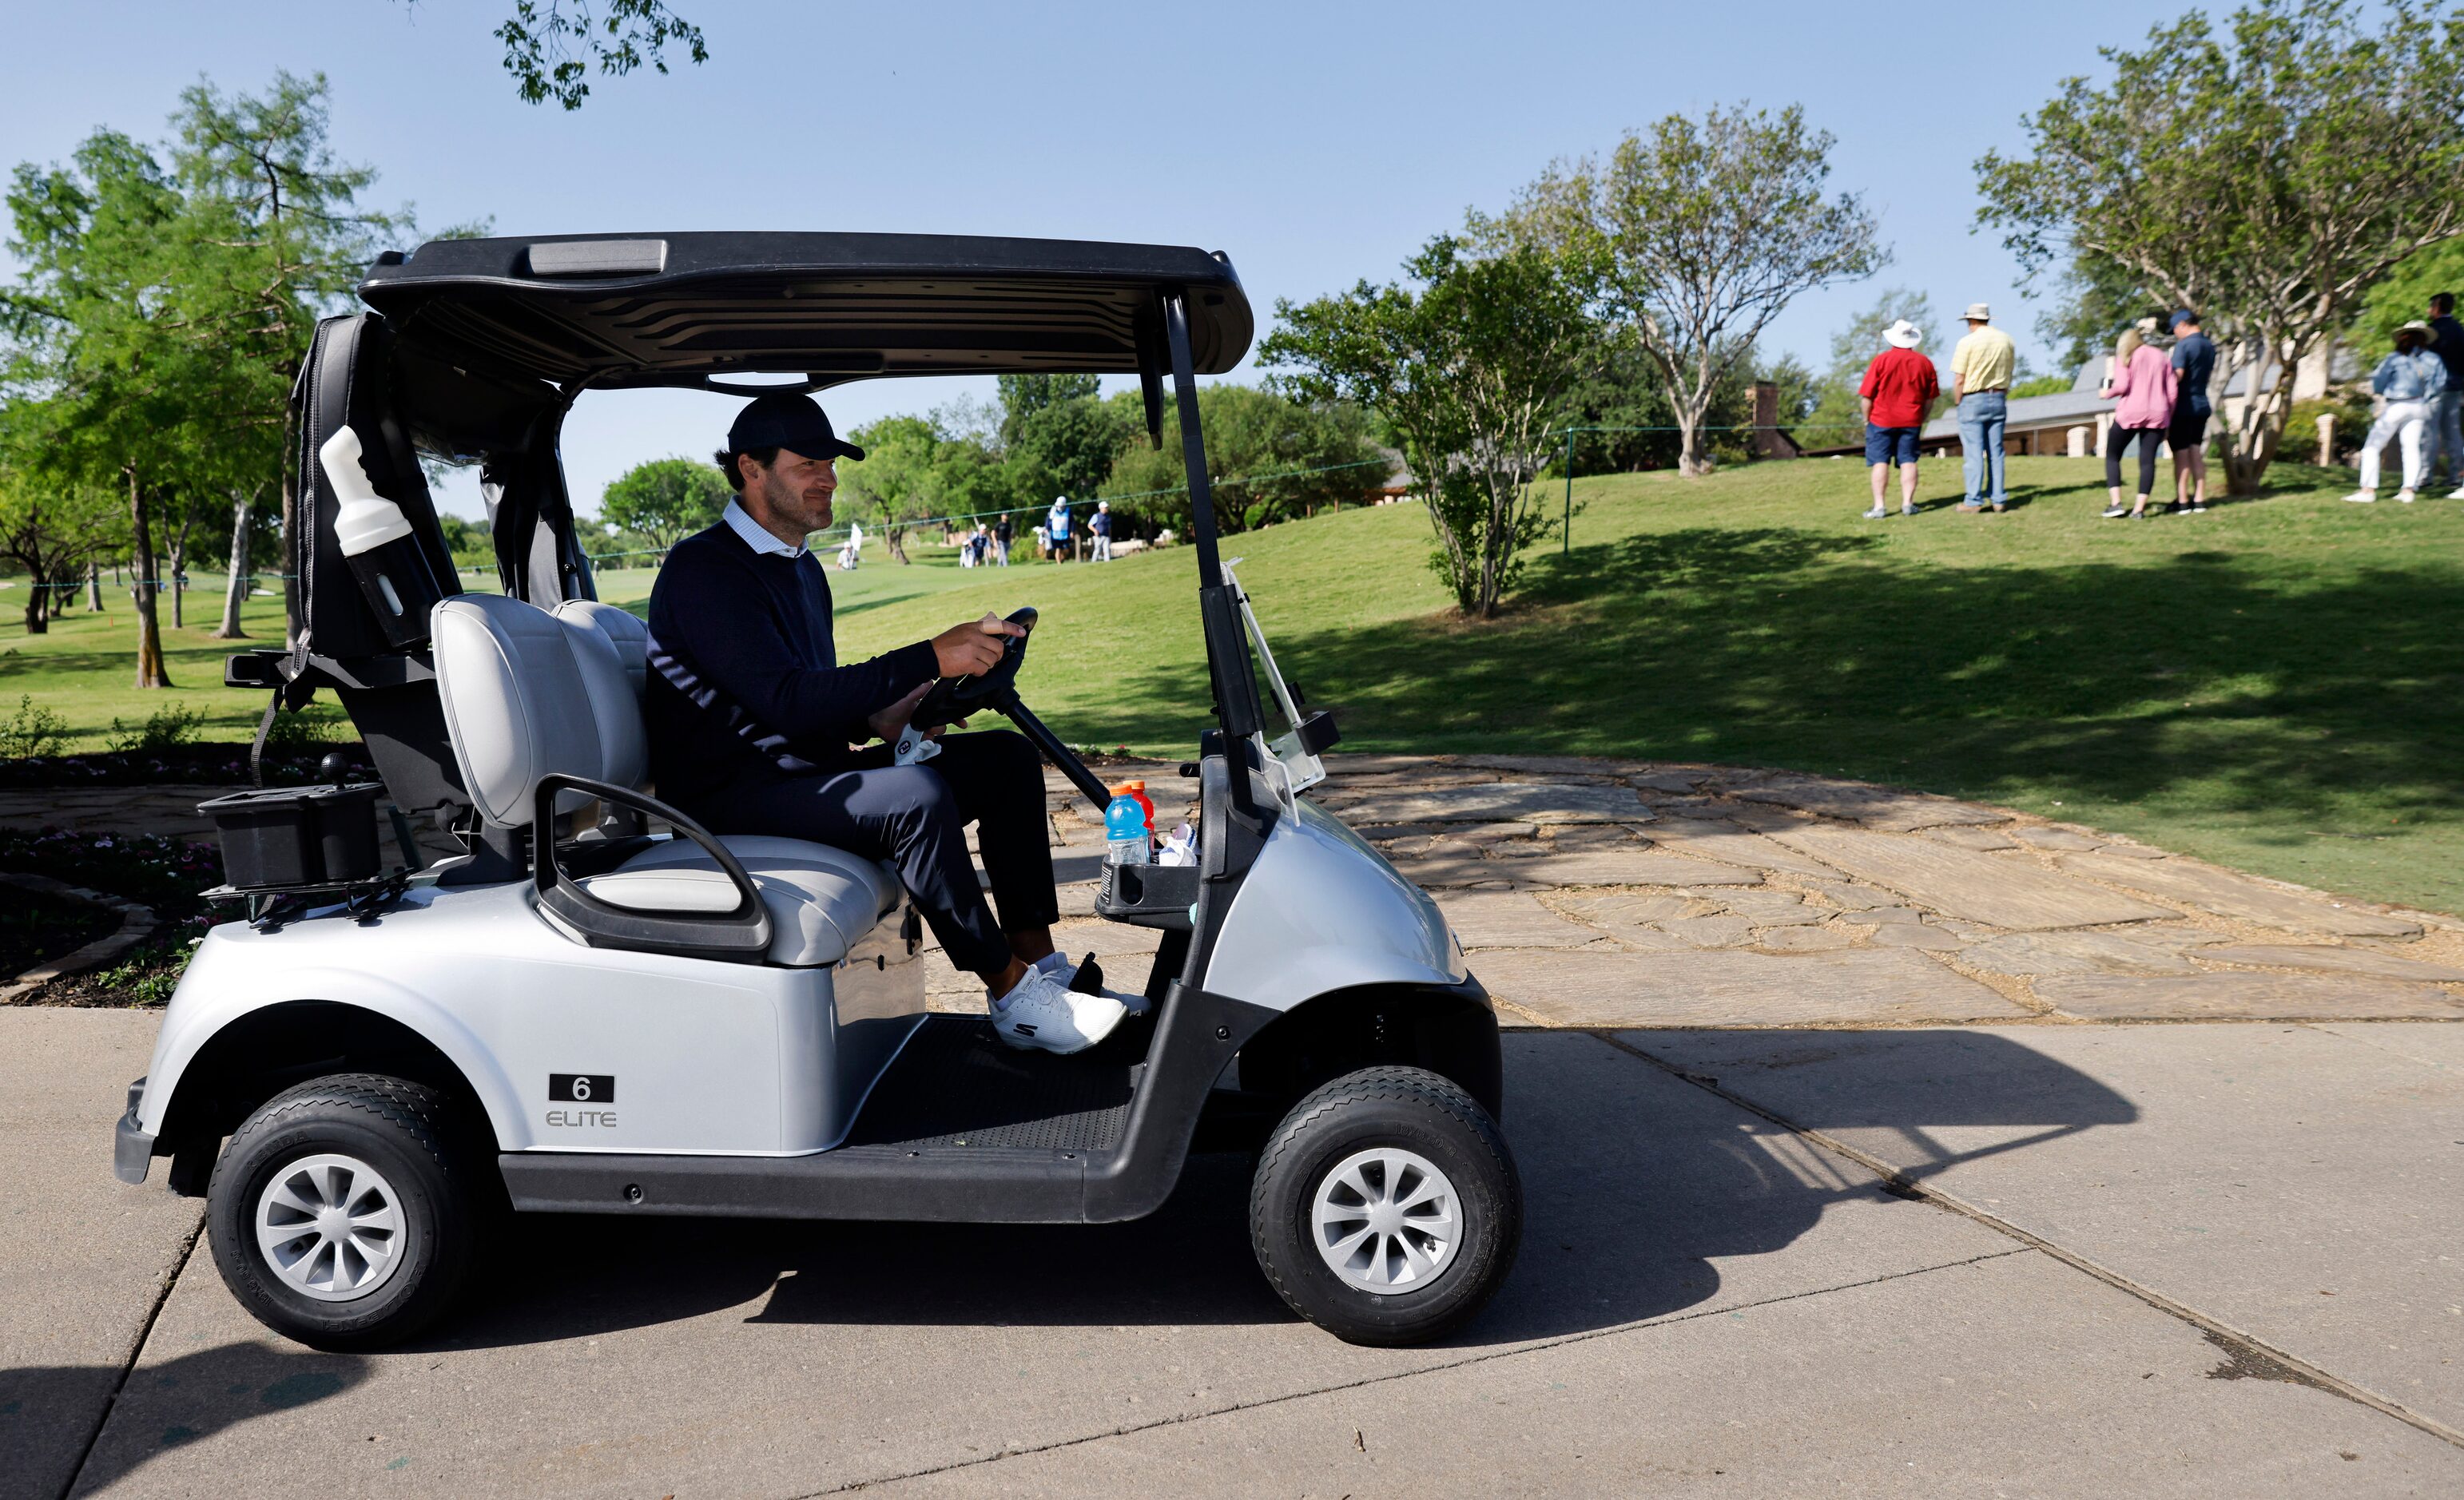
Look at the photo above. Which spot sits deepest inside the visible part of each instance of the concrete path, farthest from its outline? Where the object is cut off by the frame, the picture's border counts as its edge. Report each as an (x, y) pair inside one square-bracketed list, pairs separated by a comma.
[(1847, 1173), (1706, 1300)]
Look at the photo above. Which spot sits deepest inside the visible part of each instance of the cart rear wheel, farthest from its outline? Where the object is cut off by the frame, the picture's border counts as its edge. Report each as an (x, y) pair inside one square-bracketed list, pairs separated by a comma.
[(342, 1213), (1386, 1208)]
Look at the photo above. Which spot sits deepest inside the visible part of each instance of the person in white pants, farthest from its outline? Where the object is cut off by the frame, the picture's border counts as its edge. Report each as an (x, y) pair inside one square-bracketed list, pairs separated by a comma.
[(2409, 381), (1101, 528), (852, 552)]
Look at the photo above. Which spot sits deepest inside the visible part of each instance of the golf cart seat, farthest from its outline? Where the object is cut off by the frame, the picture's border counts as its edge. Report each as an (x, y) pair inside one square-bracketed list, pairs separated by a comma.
[(529, 694)]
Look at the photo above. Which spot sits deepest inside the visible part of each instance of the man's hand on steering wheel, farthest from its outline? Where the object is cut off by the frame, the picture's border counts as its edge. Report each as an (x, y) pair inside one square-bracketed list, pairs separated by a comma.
[(891, 720), (973, 648)]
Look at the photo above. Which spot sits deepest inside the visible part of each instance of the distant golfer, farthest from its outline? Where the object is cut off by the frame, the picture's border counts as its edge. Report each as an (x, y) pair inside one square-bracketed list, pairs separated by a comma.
[(1898, 389), (1056, 525), (1099, 526)]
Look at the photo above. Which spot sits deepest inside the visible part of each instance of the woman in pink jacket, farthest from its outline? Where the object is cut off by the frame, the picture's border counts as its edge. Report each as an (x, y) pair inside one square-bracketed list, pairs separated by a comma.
[(2141, 379)]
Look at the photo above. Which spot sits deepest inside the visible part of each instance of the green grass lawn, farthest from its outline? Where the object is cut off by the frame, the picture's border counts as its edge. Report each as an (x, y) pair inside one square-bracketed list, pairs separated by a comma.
[(2273, 685)]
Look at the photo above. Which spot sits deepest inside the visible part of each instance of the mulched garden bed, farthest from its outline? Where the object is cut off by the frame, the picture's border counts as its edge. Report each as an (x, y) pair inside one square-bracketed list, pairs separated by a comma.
[(202, 762), (35, 927), (165, 874)]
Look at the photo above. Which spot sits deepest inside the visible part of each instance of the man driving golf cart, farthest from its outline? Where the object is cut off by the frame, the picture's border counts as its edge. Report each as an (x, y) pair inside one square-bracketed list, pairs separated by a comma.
[(753, 726)]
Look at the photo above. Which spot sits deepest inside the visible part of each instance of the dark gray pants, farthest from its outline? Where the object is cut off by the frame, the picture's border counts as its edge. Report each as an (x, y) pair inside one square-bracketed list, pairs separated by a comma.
[(916, 818)]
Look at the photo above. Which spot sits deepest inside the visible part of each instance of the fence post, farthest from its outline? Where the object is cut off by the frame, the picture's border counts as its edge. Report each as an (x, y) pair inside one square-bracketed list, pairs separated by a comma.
[(2326, 440), (1566, 526)]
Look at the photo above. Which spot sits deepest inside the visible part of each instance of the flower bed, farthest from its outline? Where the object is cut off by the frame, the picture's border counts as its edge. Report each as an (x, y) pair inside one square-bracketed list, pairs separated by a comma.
[(35, 927), (166, 874), (211, 762)]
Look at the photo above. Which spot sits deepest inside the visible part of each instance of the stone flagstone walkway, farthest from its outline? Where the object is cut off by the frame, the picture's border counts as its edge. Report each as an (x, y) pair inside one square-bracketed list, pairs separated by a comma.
[(1600, 893)]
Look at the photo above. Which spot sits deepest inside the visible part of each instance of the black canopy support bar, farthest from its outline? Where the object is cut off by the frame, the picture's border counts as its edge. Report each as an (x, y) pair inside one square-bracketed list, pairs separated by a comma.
[(1227, 643)]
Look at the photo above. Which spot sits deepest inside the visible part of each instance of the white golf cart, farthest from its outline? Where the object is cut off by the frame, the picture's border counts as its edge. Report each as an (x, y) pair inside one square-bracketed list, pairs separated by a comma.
[(598, 1007)]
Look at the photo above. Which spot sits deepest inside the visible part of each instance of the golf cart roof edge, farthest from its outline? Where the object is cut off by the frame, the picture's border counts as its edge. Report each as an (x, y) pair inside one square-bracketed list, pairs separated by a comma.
[(612, 296)]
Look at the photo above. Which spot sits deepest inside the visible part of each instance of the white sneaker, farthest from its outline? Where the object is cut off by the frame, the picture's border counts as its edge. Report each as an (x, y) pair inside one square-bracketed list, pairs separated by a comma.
[(1877, 513), (2362, 497), (2457, 495), (2404, 497), (1041, 1012), (1059, 967)]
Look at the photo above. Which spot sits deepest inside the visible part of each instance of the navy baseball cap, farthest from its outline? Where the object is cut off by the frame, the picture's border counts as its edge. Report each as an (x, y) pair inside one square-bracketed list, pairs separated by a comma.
[(2185, 315), (789, 419)]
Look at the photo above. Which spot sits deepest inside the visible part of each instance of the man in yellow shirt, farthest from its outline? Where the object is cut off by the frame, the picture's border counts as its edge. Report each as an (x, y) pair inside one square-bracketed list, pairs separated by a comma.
[(1980, 390)]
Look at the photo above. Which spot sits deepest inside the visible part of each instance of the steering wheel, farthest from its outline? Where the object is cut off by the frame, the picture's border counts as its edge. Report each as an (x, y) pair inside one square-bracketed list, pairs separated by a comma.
[(955, 697)]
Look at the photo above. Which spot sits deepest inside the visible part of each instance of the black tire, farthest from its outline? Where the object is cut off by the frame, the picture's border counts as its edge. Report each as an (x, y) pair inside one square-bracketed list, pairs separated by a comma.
[(1407, 1109), (408, 1133)]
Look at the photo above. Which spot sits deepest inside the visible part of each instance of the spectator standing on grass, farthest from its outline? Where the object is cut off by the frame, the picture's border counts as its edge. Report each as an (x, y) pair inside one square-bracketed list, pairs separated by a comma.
[(2446, 418), (853, 551), (2140, 381), (2409, 382), (1003, 528), (1897, 390), (1980, 388), (1099, 526), (1057, 522), (2195, 364)]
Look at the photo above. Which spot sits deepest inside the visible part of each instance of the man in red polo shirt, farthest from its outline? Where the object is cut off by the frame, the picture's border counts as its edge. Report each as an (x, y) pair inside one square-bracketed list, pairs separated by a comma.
[(1898, 389)]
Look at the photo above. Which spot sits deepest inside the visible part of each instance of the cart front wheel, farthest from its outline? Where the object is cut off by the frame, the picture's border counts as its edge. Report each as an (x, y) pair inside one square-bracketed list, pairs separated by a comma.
[(342, 1214), (1386, 1208)]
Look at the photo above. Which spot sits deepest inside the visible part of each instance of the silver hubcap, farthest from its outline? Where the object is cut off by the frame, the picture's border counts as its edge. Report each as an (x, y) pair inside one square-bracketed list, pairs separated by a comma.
[(1387, 1220), (330, 1226)]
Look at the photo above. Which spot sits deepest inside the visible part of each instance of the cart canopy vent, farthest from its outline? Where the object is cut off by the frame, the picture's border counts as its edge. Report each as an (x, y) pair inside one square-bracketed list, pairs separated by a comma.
[(599, 257)]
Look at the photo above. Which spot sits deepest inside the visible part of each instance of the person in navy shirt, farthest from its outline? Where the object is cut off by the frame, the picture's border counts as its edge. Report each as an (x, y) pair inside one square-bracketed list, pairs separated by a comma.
[(755, 728), (2447, 418), (2194, 365)]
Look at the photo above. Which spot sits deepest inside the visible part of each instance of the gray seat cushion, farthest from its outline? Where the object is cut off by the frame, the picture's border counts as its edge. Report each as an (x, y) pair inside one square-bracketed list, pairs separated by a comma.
[(821, 901)]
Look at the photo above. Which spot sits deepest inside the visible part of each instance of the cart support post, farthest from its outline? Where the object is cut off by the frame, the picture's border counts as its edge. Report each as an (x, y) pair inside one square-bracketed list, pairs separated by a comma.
[(1227, 644)]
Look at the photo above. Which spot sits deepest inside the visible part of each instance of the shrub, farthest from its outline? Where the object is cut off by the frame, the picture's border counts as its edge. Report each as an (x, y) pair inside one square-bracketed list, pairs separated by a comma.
[(2352, 413), (32, 730), (311, 725), (168, 728)]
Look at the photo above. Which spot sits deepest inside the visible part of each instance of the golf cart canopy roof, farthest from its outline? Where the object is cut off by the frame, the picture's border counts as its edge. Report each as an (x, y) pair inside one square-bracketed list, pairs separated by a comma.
[(612, 311)]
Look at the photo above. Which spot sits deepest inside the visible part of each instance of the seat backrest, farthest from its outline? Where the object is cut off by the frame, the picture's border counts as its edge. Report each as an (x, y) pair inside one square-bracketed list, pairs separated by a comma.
[(527, 693), (630, 634)]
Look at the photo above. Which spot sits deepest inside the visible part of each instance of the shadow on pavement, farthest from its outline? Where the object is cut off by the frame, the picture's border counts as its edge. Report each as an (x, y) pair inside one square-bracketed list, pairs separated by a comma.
[(47, 1413), (1635, 1183)]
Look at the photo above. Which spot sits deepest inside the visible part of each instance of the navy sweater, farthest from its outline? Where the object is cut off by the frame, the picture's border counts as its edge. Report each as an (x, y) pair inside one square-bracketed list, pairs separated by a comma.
[(744, 680)]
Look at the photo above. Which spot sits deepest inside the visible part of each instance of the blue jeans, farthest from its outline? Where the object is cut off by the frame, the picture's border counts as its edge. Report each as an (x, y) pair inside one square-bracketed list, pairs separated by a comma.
[(2447, 443), (1981, 417)]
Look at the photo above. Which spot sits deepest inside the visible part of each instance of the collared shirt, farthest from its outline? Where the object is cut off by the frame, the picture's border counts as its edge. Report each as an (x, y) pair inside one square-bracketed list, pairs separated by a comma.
[(2418, 376), (756, 537), (1983, 361), (1902, 385)]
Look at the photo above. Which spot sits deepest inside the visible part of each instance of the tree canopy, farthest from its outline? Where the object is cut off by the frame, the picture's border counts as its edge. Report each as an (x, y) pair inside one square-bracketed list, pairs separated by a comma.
[(1270, 459), (665, 500), (1694, 236)]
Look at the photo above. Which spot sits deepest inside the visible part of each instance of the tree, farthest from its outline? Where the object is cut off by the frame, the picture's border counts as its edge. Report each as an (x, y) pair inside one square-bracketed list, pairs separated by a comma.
[(1467, 369), (2404, 295), (1023, 396), (2099, 298), (1696, 235), (1270, 459), (897, 482), (50, 531), (666, 500), (2267, 177)]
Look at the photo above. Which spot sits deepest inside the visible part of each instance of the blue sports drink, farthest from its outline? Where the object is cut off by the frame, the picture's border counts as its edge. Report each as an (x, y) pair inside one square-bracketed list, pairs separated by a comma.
[(1124, 830)]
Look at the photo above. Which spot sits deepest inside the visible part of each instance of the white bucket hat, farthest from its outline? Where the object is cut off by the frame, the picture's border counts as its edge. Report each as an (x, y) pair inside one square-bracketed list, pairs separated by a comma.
[(1903, 334), (1978, 313)]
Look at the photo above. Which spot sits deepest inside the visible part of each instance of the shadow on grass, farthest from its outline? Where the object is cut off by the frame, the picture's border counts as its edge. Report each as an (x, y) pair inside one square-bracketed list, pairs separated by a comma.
[(2245, 686)]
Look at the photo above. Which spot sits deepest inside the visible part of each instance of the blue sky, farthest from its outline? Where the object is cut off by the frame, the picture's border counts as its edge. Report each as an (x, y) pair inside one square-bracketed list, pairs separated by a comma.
[(1316, 143)]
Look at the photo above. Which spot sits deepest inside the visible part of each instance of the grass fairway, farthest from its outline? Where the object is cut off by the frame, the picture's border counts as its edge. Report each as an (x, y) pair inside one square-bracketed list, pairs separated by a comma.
[(2273, 685)]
